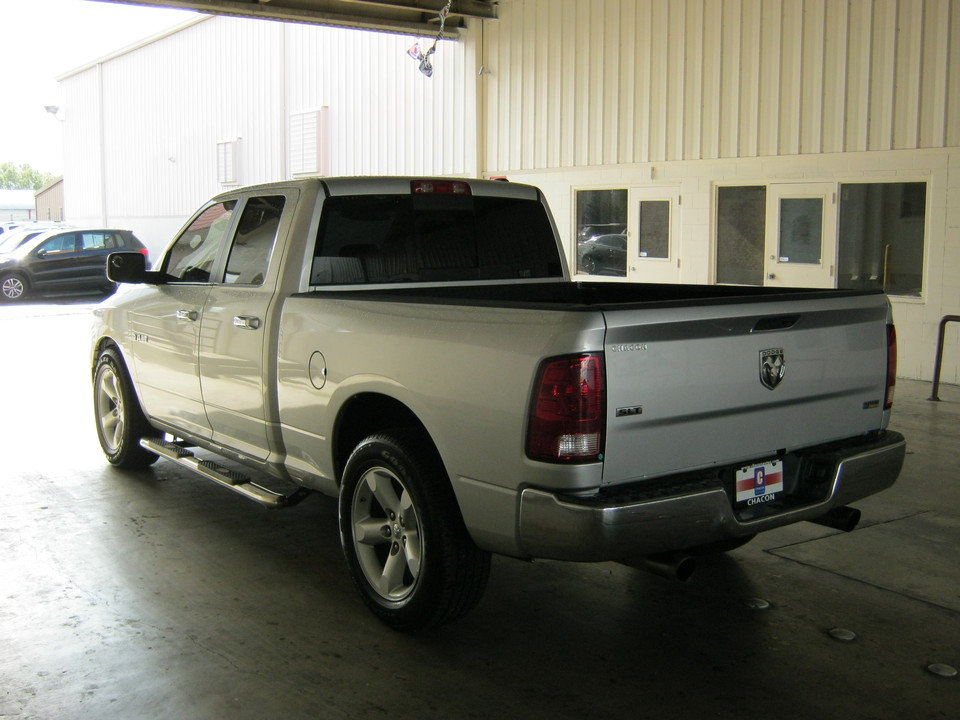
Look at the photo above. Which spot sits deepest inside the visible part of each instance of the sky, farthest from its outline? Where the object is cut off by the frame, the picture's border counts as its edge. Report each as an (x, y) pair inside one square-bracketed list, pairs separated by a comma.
[(43, 39)]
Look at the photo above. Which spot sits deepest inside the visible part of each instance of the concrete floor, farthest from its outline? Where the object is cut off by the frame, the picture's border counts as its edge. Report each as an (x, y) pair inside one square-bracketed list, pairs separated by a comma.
[(158, 595)]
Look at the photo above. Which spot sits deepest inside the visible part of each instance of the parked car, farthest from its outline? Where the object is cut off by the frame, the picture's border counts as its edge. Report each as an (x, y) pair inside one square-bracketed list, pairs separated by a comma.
[(19, 234), (592, 230), (63, 261), (603, 255)]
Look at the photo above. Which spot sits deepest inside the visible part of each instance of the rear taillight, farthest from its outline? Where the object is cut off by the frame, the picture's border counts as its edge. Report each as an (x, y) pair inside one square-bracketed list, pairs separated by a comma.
[(567, 410), (891, 366)]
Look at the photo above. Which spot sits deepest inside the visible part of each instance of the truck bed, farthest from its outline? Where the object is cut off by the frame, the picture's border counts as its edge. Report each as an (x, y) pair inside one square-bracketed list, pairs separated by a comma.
[(683, 363)]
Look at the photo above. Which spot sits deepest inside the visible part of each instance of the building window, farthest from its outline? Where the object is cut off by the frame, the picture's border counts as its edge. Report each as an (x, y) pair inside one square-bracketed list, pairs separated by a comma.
[(801, 230), (741, 229), (601, 232), (654, 229), (881, 237)]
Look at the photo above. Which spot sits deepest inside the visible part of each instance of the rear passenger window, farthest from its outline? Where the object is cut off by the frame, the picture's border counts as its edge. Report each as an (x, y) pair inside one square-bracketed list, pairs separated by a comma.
[(431, 238), (100, 241), (254, 240)]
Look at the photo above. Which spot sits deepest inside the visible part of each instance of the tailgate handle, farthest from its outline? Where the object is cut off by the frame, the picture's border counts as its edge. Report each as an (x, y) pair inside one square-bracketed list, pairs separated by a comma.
[(777, 322)]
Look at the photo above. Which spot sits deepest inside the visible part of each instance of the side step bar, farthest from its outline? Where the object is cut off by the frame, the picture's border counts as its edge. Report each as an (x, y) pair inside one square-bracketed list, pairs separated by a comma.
[(224, 476)]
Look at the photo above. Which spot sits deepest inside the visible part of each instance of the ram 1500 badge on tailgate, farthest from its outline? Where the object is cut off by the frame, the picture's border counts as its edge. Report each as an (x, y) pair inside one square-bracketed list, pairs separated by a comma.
[(416, 348)]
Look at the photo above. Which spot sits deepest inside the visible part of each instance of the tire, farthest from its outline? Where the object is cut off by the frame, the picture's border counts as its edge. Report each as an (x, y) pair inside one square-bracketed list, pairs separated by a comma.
[(120, 421), (588, 264), (403, 537), (12, 287)]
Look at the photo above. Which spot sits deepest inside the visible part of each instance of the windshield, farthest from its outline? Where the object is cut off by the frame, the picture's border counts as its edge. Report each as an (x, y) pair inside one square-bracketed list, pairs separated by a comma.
[(13, 239)]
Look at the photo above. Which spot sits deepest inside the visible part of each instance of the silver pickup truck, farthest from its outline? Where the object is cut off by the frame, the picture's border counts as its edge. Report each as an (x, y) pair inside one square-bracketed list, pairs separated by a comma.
[(415, 348)]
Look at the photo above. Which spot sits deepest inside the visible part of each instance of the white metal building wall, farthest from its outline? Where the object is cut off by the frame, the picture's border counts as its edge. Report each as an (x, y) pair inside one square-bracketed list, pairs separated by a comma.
[(142, 127), (387, 118), (82, 148), (600, 82)]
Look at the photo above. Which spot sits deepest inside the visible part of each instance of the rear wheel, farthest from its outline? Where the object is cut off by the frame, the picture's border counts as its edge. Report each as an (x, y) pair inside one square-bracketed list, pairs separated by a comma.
[(120, 421), (12, 287), (403, 536)]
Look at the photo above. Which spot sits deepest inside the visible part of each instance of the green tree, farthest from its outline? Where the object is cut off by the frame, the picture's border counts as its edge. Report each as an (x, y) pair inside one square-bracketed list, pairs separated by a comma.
[(22, 177)]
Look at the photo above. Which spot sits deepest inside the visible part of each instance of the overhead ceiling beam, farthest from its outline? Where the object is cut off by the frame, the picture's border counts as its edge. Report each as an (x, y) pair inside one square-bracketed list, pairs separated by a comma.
[(482, 9), (412, 17)]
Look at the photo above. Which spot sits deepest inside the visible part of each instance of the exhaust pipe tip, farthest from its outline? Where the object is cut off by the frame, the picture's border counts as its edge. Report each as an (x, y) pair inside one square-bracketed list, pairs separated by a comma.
[(673, 566), (840, 518)]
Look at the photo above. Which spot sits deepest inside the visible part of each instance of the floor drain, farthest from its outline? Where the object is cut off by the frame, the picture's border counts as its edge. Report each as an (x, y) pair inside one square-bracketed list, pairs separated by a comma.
[(842, 634)]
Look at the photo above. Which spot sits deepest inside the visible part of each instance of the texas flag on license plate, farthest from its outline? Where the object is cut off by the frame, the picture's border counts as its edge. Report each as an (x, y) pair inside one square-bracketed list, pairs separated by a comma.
[(759, 480)]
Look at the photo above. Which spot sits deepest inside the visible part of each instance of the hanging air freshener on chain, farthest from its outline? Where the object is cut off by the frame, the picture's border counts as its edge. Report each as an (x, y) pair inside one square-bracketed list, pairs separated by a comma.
[(426, 67)]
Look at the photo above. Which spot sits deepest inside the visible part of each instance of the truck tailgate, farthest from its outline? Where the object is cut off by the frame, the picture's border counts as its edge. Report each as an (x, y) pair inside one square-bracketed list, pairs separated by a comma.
[(686, 389)]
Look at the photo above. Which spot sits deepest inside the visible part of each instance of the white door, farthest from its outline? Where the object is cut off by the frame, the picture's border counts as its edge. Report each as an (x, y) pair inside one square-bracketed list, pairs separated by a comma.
[(801, 235), (653, 235)]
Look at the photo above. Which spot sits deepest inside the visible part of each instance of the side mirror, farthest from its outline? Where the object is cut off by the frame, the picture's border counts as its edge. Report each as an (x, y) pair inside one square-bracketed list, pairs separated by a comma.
[(128, 267)]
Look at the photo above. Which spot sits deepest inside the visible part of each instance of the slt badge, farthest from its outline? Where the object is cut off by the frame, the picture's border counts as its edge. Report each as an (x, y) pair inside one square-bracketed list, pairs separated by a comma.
[(772, 367)]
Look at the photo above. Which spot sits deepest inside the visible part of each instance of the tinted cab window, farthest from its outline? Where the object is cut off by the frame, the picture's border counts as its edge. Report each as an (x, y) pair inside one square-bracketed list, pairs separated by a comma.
[(432, 238)]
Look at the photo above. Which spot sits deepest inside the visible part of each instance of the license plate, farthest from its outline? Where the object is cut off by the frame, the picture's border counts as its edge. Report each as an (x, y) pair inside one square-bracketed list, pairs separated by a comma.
[(759, 483)]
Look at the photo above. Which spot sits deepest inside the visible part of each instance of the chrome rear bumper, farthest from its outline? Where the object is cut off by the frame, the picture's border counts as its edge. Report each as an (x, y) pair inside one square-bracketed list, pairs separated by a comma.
[(566, 528)]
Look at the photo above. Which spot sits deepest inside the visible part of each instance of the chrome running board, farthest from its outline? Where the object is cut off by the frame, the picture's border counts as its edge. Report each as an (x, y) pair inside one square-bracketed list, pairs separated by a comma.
[(230, 479)]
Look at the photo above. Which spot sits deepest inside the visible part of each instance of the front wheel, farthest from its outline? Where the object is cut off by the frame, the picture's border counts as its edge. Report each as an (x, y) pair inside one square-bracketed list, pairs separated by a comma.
[(120, 421), (12, 287), (403, 536)]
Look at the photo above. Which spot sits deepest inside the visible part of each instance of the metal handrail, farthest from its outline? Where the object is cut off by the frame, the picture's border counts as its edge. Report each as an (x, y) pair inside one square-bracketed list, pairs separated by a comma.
[(934, 394)]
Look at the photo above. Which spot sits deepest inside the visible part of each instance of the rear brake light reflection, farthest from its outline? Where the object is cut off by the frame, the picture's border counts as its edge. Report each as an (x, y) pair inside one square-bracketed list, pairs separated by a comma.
[(440, 187)]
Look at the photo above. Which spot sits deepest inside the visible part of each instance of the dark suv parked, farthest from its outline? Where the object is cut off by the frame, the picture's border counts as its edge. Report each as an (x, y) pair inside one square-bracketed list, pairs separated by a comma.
[(63, 261)]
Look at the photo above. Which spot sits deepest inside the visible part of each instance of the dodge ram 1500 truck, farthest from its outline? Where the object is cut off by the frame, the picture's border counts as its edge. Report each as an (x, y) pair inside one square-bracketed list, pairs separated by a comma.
[(417, 349)]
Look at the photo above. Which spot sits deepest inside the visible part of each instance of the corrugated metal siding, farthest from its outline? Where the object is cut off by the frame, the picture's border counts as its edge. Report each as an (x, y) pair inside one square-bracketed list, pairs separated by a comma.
[(167, 104), (602, 82), (81, 147), (386, 117), (50, 202)]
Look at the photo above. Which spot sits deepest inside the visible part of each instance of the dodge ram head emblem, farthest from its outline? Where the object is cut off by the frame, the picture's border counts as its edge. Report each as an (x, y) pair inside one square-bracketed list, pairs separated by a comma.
[(772, 366)]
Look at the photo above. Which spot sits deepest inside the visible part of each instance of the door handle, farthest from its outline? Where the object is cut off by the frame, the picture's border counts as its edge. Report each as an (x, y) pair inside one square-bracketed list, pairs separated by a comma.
[(190, 315), (246, 322)]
